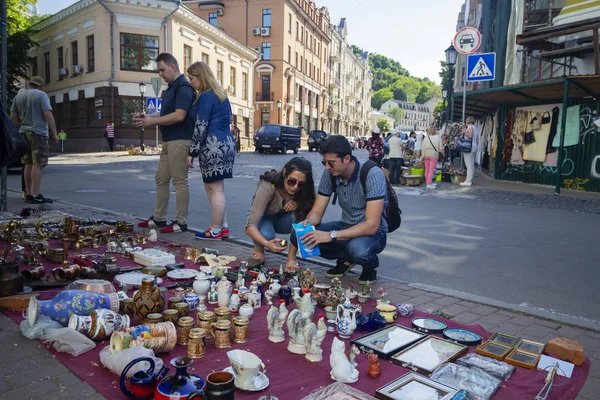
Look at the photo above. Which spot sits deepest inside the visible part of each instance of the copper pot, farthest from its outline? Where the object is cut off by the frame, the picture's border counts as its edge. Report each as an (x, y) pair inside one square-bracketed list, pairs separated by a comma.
[(34, 273), (11, 281)]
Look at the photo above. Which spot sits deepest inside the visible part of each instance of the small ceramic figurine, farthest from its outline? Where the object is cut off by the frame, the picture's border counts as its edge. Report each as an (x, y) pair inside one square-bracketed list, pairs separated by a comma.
[(313, 337), (254, 298), (374, 369), (350, 292), (354, 351), (381, 292), (212, 294), (341, 368), (296, 322), (201, 304), (365, 294), (152, 236), (234, 301), (269, 297), (240, 281), (275, 320), (224, 288)]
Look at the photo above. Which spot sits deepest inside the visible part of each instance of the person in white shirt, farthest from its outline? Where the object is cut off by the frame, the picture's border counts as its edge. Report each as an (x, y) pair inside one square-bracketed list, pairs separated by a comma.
[(419, 144), (469, 158), (396, 159)]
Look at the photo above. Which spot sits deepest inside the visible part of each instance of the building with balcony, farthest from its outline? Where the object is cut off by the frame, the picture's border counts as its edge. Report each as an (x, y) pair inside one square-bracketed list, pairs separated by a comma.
[(548, 66), (350, 84), (93, 56), (291, 77), (415, 116)]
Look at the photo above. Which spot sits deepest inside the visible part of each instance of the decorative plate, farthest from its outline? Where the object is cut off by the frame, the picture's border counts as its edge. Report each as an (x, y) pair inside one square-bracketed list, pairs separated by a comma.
[(182, 274), (133, 279), (429, 325), (462, 336)]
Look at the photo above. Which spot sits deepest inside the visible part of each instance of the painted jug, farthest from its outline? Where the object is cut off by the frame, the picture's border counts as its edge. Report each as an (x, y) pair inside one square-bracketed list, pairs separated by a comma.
[(346, 321), (142, 383), (100, 324)]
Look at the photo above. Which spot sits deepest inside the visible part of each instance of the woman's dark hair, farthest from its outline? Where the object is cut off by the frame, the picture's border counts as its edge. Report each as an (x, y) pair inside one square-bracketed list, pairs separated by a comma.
[(374, 135), (305, 197)]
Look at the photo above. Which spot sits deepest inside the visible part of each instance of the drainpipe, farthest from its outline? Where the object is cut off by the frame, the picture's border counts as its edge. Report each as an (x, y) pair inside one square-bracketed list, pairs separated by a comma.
[(246, 22), (112, 60), (178, 2)]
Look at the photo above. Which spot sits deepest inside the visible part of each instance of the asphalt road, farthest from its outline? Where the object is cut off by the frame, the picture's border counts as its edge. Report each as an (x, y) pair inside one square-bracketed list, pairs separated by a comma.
[(541, 258)]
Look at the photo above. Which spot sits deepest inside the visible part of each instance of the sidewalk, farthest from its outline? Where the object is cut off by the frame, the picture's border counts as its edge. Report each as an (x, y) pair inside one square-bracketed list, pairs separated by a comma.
[(30, 371)]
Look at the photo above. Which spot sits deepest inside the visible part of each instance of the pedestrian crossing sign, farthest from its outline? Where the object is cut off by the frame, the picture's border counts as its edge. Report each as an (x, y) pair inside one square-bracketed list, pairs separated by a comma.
[(481, 67), (153, 105)]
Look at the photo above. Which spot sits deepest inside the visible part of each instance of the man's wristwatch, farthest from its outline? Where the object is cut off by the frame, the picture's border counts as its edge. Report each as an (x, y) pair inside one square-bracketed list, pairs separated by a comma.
[(333, 235)]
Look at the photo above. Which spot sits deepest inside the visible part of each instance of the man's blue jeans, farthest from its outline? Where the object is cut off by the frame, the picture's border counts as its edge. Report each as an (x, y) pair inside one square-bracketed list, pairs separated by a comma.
[(361, 250), (270, 225)]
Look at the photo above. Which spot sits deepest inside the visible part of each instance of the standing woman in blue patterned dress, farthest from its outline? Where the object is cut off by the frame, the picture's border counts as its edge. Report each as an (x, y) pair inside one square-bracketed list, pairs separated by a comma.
[(213, 144)]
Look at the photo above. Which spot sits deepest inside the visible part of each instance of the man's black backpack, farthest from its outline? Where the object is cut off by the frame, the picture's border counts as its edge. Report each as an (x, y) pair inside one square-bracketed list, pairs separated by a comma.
[(393, 212)]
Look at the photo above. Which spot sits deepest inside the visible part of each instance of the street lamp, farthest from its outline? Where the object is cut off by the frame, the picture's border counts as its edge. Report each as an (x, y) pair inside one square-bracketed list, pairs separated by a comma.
[(279, 104), (142, 91), (451, 56)]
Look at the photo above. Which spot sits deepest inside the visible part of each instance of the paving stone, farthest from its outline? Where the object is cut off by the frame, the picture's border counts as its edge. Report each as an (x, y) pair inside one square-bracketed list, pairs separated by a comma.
[(36, 375), (46, 387), (20, 366), (569, 332), (5, 386), (591, 389), (467, 304), (590, 344), (435, 295), (68, 379), (594, 368), (428, 308), (488, 327), (80, 390), (447, 300), (522, 320), (455, 309), (483, 310), (494, 319), (414, 292), (548, 324), (467, 318), (506, 313), (509, 329), (400, 299), (535, 331), (422, 299)]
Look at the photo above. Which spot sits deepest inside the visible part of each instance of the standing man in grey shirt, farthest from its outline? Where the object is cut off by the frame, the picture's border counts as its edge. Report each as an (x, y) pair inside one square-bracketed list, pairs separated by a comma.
[(32, 114)]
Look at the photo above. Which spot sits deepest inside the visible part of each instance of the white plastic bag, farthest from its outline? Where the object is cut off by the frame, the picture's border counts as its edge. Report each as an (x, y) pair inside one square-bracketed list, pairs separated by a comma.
[(68, 340), (116, 362), (39, 328)]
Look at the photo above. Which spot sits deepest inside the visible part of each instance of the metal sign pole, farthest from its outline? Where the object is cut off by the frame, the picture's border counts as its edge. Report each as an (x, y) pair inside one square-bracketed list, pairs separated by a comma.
[(3, 100), (464, 105)]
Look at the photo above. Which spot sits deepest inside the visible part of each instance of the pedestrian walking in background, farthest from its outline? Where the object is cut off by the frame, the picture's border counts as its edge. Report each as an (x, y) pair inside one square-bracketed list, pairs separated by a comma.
[(418, 144), (176, 129), (469, 158), (213, 143), (236, 134), (32, 114), (62, 136), (376, 148), (412, 138), (432, 148), (396, 158), (109, 134), (281, 198)]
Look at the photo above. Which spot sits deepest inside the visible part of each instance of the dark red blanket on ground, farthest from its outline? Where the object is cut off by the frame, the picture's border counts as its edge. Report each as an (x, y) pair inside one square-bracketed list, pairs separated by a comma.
[(291, 376)]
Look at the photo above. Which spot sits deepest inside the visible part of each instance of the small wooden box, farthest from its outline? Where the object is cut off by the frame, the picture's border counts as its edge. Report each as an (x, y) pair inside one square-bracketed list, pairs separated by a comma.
[(458, 179), (413, 180), (405, 171)]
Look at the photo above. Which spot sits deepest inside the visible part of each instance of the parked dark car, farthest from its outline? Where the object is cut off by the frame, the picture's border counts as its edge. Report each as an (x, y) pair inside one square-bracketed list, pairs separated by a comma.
[(315, 139), (273, 137)]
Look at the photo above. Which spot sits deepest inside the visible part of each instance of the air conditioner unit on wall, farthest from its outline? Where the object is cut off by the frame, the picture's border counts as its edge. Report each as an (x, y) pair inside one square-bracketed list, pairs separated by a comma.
[(256, 31), (62, 72), (219, 12), (77, 70), (265, 32)]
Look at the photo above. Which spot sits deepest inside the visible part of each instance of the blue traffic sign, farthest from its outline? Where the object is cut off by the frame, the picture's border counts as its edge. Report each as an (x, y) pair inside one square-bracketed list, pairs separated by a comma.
[(152, 106), (481, 67)]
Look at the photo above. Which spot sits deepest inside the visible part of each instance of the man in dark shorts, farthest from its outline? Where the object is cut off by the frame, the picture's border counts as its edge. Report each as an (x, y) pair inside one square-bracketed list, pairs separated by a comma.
[(32, 113)]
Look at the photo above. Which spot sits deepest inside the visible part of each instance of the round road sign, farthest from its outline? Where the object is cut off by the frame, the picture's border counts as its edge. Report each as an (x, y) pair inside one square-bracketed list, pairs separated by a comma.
[(467, 40)]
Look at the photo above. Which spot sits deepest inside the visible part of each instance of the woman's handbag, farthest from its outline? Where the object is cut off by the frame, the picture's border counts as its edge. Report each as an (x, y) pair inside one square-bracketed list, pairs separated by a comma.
[(529, 137), (464, 144), (546, 119), (440, 154)]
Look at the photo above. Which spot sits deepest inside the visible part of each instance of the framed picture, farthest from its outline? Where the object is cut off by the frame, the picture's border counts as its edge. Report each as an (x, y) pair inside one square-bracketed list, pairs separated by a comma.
[(338, 391), (504, 339), (428, 354), (413, 386), (530, 346), (389, 340), (523, 359), (462, 336), (429, 325), (493, 350)]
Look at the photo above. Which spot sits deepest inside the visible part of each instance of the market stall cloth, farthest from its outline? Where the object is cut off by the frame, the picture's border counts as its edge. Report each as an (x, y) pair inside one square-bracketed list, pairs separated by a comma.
[(291, 376)]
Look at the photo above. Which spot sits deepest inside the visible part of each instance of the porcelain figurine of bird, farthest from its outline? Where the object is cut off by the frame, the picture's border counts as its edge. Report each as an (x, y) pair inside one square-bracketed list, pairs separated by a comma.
[(275, 320), (313, 337), (296, 321)]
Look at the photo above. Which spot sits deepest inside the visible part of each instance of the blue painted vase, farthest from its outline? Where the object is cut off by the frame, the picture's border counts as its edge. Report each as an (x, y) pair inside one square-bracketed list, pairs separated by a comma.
[(70, 302)]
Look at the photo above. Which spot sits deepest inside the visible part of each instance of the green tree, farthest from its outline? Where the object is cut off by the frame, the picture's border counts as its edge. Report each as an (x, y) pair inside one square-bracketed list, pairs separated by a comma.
[(34, 19), (444, 74), (380, 97), (384, 125), (18, 43), (395, 113)]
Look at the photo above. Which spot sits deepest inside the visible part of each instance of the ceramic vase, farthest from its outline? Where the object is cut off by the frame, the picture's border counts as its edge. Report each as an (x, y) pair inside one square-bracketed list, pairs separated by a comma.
[(275, 286), (192, 299), (160, 337), (100, 324), (69, 302), (201, 285), (345, 321), (212, 294), (223, 292), (148, 299), (201, 304), (246, 310), (285, 293)]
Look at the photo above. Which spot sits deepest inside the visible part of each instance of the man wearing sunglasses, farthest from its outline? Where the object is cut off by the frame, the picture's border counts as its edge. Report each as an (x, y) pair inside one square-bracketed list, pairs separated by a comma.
[(361, 234)]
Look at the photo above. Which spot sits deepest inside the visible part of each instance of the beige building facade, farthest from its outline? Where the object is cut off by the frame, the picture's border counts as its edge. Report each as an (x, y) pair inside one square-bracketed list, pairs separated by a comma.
[(415, 116), (95, 53), (291, 78), (350, 86)]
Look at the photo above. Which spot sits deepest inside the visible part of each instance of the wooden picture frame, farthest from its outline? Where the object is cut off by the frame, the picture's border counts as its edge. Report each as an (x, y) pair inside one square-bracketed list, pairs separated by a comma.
[(506, 340), (379, 341), (338, 391), (428, 354), (530, 346), (523, 358), (493, 350), (414, 386)]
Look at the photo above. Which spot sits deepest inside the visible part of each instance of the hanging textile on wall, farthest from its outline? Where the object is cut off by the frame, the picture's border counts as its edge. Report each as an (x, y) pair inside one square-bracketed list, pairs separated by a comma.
[(551, 159), (520, 125), (553, 130), (536, 151), (571, 127), (508, 142)]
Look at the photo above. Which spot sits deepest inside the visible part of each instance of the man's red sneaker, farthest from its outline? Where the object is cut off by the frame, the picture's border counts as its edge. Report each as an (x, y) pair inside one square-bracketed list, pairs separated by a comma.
[(152, 223)]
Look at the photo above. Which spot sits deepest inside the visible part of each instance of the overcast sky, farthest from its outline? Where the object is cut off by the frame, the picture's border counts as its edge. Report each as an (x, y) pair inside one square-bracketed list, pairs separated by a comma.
[(413, 32)]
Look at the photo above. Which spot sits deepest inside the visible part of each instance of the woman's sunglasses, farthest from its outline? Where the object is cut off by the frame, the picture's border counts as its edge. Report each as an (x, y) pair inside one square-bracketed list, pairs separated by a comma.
[(293, 182)]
